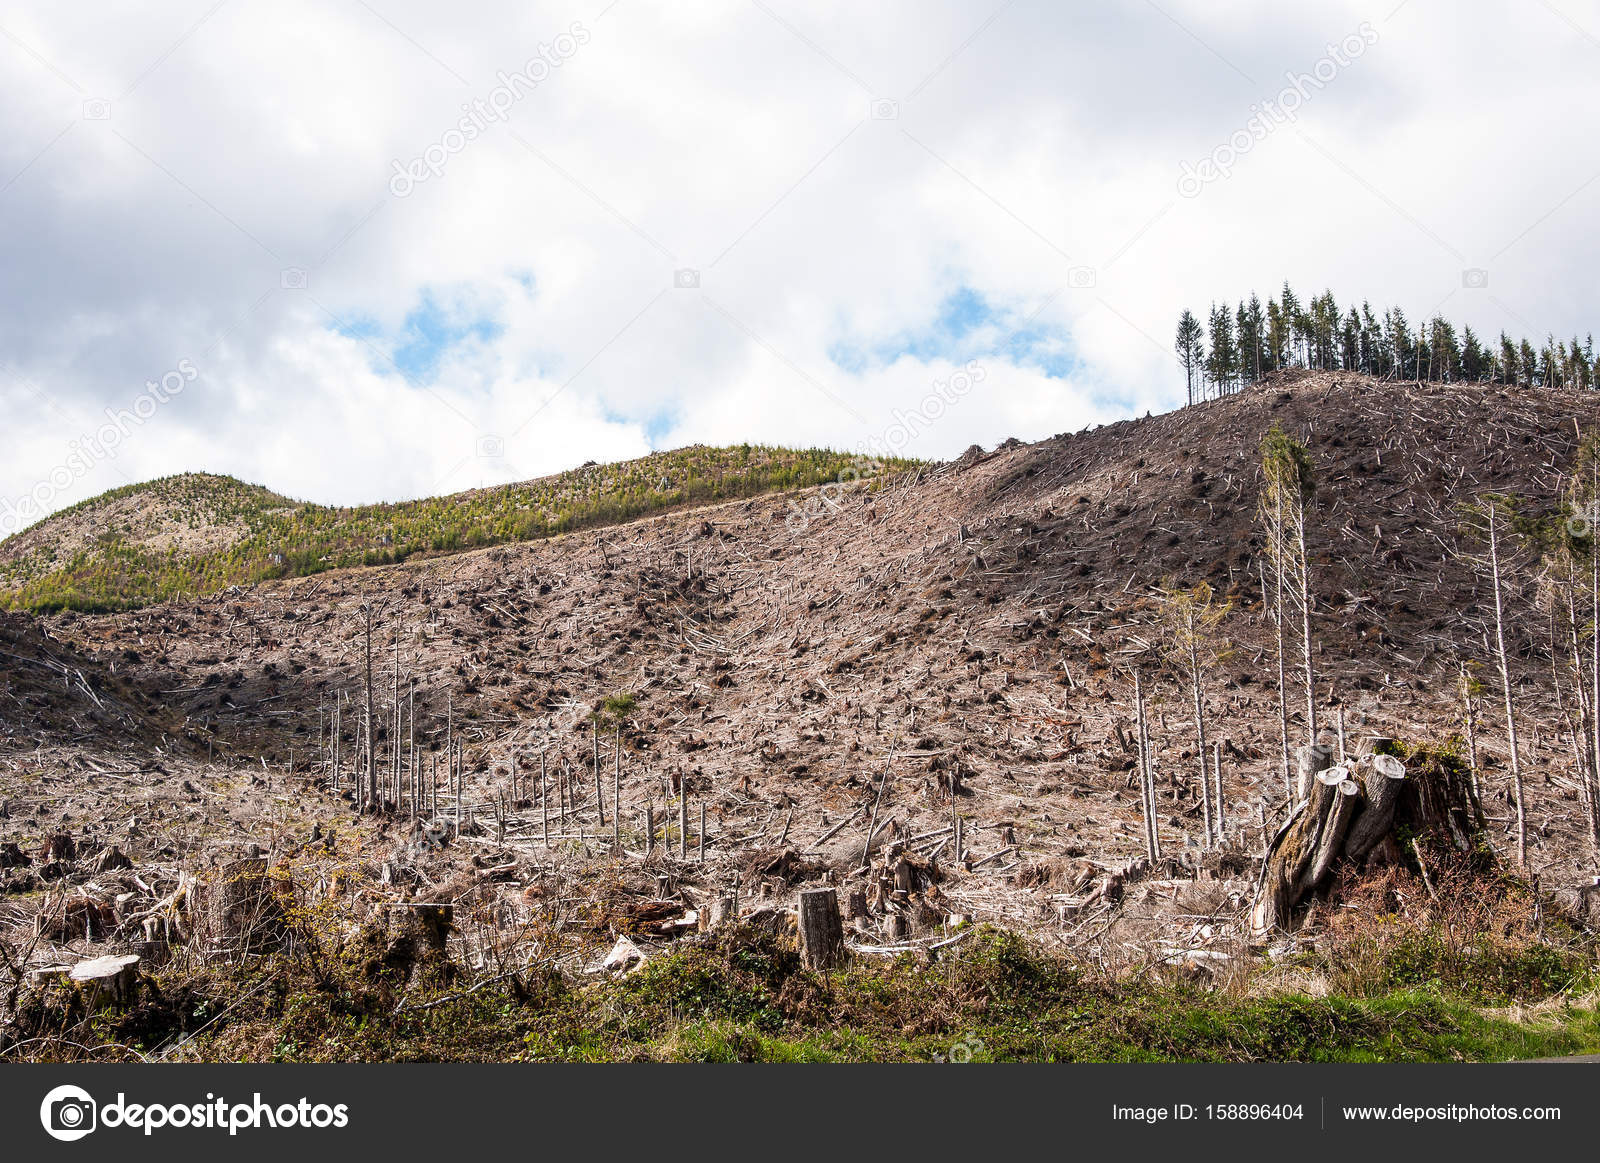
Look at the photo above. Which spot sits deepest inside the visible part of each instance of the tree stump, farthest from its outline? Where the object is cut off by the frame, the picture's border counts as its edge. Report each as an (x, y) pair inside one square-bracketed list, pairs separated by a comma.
[(821, 929), (108, 982), (246, 913), (723, 910), (1358, 817), (109, 859)]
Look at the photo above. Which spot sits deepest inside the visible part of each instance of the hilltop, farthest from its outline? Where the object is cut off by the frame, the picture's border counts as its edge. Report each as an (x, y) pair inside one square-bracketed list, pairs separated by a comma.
[(196, 533)]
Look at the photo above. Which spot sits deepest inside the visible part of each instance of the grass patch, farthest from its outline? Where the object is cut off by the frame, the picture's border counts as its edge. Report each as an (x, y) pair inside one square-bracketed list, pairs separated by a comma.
[(136, 558), (743, 997)]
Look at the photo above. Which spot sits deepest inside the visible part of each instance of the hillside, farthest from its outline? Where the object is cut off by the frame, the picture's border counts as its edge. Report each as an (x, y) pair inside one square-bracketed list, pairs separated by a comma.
[(197, 533), (986, 608), (957, 643)]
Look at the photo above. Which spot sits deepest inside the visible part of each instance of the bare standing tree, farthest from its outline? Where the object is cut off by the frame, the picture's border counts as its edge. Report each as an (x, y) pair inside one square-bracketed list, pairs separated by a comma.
[(1147, 778), (1288, 486), (1192, 617), (1582, 545), (1489, 520), (368, 613), (1273, 605), (1471, 689)]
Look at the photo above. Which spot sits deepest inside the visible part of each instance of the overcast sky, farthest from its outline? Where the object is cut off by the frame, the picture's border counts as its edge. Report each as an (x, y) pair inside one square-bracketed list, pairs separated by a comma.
[(729, 220)]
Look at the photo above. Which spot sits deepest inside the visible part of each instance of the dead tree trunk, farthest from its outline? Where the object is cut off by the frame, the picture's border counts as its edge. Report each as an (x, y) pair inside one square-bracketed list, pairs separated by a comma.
[(1505, 683), (1359, 815), (371, 755), (1196, 689), (1308, 762), (1147, 779), (1283, 690)]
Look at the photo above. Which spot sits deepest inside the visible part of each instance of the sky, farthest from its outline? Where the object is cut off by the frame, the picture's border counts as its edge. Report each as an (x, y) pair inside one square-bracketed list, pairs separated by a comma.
[(371, 250)]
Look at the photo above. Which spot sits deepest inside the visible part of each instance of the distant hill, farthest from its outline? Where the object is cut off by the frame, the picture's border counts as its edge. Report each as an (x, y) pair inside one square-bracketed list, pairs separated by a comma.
[(198, 533)]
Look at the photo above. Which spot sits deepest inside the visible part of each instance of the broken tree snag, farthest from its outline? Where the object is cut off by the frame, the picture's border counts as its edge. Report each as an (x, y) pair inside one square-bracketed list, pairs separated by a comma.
[(821, 929), (108, 982), (1310, 838), (723, 910), (1361, 817)]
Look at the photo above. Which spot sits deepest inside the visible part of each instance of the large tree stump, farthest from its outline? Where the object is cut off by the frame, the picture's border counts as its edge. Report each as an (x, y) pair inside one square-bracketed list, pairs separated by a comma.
[(821, 929), (107, 982), (1359, 817), (246, 913)]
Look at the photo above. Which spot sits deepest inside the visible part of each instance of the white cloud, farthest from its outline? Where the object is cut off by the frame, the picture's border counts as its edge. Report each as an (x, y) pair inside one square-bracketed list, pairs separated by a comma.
[(735, 139)]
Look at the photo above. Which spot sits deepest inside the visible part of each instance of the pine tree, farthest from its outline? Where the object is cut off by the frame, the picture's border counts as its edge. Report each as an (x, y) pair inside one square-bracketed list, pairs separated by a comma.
[(1475, 359), (1258, 337), (1254, 338), (1293, 320), (1277, 336), (1190, 346), (1371, 340), (1350, 342), (1222, 364), (1508, 361)]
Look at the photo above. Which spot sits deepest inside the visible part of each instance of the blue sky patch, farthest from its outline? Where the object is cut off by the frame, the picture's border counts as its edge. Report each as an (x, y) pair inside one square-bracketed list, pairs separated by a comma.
[(429, 332), (966, 326)]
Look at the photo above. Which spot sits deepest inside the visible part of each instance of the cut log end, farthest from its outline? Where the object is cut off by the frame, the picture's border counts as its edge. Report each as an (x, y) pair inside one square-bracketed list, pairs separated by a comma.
[(110, 982)]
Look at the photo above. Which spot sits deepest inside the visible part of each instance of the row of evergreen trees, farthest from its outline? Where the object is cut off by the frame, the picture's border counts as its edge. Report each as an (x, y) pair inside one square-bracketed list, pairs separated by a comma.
[(1253, 340)]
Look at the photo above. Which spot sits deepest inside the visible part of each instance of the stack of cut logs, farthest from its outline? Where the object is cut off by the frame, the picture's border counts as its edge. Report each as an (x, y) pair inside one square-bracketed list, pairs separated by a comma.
[(1350, 812)]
